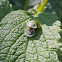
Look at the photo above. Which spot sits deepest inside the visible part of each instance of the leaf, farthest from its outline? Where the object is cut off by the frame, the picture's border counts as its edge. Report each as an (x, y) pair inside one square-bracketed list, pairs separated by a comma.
[(55, 7), (5, 8), (35, 12), (15, 46)]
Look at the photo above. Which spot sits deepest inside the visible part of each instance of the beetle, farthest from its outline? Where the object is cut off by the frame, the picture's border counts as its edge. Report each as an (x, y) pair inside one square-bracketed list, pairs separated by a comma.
[(32, 27), (32, 24)]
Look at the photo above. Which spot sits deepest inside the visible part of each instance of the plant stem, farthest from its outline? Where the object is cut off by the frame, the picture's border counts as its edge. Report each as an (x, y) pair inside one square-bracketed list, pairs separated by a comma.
[(42, 2), (26, 4), (42, 6)]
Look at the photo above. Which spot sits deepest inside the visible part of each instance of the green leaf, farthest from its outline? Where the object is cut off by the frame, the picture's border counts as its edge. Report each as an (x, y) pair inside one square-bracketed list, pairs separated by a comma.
[(35, 12), (55, 7), (5, 8), (15, 46)]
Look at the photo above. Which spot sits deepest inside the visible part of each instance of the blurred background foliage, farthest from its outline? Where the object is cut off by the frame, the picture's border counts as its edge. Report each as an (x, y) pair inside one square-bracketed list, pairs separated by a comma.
[(53, 6), (17, 4)]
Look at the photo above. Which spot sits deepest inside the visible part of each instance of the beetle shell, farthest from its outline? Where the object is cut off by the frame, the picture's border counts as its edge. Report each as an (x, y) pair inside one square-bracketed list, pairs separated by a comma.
[(30, 32), (32, 27), (32, 24)]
